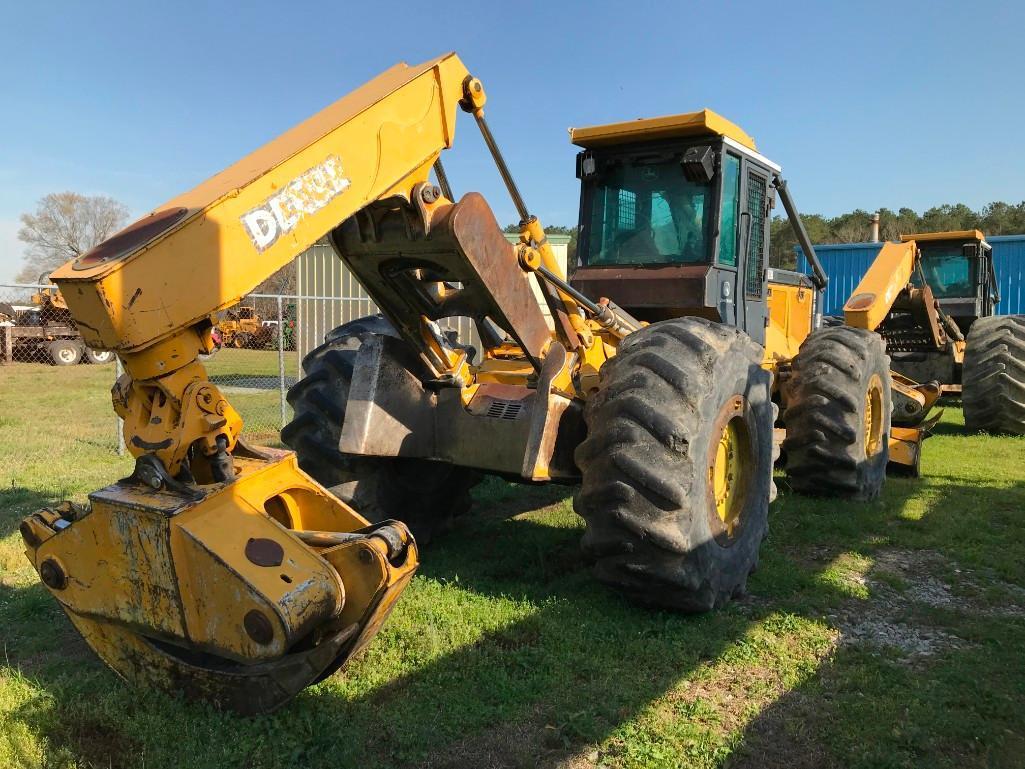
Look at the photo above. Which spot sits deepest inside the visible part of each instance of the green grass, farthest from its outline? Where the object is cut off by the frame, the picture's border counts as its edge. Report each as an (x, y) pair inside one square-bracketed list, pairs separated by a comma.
[(250, 380), (504, 652)]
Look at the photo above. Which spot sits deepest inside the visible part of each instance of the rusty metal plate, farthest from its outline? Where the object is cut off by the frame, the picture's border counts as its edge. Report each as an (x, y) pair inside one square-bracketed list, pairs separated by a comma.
[(131, 238), (632, 287), (264, 552)]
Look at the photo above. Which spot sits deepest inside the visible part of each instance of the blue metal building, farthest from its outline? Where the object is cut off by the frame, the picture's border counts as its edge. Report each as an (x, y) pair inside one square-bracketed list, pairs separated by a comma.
[(845, 263)]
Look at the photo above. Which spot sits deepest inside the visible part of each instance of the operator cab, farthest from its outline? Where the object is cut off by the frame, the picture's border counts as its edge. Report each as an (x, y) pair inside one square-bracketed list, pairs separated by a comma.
[(958, 267), (674, 219)]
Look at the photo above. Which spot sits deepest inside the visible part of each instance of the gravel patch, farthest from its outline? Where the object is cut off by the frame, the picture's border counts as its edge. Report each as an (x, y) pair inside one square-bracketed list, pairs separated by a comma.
[(900, 584)]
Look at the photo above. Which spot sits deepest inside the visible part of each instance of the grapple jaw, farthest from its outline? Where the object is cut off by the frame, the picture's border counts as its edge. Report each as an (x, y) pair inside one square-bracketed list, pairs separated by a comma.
[(242, 597)]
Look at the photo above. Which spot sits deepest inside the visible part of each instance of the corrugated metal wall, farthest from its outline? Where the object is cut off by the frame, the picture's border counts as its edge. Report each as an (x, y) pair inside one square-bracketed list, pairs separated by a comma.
[(846, 263), (328, 295), (1009, 263)]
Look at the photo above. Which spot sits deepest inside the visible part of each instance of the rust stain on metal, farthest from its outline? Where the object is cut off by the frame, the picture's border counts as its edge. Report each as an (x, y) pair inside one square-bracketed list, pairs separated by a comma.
[(305, 602), (670, 286)]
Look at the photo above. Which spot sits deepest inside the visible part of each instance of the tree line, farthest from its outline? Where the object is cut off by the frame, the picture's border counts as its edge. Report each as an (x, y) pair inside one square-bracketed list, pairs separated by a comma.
[(997, 218), (67, 224)]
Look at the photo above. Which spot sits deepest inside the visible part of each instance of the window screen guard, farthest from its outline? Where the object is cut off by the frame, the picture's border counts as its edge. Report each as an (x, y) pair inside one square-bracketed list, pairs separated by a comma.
[(756, 186)]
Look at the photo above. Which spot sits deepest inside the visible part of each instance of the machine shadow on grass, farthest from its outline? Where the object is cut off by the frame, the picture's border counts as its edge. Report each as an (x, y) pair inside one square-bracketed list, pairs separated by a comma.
[(576, 666), (249, 381)]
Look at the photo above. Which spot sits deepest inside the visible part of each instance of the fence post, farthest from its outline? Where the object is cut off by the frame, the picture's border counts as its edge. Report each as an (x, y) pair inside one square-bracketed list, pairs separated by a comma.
[(281, 362), (119, 369)]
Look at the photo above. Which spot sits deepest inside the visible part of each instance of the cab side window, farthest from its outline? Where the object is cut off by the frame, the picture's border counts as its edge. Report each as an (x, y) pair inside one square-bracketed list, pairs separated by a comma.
[(728, 240)]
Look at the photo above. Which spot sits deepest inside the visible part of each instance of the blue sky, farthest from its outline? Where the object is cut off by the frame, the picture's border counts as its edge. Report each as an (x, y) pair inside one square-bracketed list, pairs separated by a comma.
[(864, 104)]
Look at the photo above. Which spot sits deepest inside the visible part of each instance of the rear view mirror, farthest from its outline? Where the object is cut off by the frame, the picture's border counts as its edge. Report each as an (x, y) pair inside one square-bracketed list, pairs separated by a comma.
[(970, 250), (699, 164), (586, 165)]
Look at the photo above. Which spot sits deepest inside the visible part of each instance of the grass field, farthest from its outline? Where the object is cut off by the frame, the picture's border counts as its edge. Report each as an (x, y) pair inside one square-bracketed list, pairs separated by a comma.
[(250, 380), (881, 635)]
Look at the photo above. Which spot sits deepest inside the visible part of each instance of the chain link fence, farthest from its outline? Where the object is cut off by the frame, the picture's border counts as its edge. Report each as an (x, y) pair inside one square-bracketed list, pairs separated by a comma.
[(36, 327), (257, 361), (261, 344)]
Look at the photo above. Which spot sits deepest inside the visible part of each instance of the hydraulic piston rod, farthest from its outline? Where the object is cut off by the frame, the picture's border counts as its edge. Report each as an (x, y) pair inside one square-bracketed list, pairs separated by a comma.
[(819, 277), (608, 315)]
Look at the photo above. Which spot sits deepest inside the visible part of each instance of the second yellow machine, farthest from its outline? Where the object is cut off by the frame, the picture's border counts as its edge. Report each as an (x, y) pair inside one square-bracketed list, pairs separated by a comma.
[(660, 381)]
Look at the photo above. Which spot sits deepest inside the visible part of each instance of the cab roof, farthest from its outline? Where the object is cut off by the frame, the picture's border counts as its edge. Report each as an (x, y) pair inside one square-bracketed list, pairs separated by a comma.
[(668, 127), (951, 235)]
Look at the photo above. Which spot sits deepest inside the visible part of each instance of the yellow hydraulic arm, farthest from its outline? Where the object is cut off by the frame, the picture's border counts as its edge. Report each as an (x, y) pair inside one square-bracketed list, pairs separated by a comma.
[(149, 292), (885, 286), (887, 276), (218, 569)]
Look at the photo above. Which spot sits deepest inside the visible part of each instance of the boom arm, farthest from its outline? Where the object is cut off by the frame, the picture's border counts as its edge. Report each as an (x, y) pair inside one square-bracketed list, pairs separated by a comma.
[(204, 250), (886, 277), (886, 286), (149, 292)]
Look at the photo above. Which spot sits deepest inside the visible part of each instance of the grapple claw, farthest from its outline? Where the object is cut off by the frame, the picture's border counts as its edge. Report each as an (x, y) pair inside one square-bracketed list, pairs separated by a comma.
[(225, 598), (244, 689)]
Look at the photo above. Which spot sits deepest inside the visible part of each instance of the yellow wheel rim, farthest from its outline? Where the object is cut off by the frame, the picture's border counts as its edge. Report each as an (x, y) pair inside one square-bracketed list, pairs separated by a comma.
[(729, 469), (874, 416)]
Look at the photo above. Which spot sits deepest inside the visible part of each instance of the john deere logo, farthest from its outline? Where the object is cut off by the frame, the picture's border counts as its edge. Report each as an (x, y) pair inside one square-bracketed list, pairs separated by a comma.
[(305, 195)]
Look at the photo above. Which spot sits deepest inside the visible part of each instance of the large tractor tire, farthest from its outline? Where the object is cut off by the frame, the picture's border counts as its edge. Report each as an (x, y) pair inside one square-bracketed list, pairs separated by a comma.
[(424, 495), (837, 414), (993, 377), (677, 465)]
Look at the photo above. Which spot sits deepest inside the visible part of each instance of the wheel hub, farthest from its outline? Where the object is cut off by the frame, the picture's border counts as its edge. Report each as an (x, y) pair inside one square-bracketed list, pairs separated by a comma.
[(874, 416), (729, 470)]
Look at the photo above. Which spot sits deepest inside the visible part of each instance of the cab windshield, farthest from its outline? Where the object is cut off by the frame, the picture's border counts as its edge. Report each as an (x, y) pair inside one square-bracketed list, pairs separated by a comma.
[(648, 214), (948, 271)]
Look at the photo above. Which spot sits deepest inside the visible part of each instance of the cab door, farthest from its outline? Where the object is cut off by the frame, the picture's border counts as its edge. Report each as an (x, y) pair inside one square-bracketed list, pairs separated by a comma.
[(729, 250)]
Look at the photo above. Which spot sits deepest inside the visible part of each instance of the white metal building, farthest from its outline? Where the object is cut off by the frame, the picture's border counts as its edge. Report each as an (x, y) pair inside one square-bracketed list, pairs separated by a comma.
[(329, 295)]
